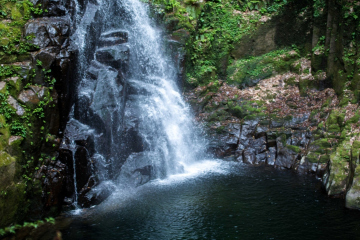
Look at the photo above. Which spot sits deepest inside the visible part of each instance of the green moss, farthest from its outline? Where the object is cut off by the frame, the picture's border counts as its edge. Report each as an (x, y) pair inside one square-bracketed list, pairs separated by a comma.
[(16, 13), (220, 129), (13, 45), (324, 158), (344, 101), (339, 169), (293, 148), (313, 157), (322, 143), (291, 81), (336, 118), (12, 201), (354, 119), (247, 72), (247, 110), (334, 128), (4, 132)]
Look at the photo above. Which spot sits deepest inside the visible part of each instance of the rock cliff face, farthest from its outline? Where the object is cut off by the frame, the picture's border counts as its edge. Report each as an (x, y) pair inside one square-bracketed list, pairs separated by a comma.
[(36, 95)]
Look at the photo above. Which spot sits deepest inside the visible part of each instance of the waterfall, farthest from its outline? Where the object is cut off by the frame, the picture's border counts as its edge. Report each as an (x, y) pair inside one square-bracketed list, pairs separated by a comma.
[(128, 95), (165, 122)]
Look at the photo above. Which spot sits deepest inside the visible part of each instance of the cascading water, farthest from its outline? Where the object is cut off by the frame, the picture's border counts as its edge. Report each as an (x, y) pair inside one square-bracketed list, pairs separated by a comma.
[(128, 95), (165, 123)]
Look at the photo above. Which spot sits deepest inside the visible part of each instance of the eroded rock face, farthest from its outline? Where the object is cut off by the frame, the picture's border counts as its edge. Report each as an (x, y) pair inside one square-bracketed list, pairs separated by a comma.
[(98, 117), (20, 111), (137, 170), (112, 38), (115, 56), (48, 31), (38, 102)]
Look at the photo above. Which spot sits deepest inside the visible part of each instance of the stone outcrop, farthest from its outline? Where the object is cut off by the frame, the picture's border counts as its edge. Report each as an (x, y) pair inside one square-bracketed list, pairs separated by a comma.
[(98, 110), (36, 91)]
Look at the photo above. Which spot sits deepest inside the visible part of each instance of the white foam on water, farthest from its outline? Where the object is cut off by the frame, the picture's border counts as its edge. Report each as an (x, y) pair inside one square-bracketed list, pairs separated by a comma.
[(195, 170)]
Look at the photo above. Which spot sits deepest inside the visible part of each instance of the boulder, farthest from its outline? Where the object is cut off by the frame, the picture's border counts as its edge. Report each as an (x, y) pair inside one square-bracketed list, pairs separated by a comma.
[(7, 169), (94, 68), (137, 170), (248, 129), (286, 157), (181, 36), (249, 156), (32, 96), (48, 31), (29, 98), (53, 179), (78, 133), (352, 199), (115, 56), (23, 69), (3, 87), (45, 57), (15, 82), (271, 156), (112, 38), (337, 176), (20, 111)]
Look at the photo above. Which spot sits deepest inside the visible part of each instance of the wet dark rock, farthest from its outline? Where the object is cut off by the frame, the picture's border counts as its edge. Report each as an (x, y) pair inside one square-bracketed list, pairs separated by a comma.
[(77, 132), (23, 69), (78, 146), (53, 177), (248, 129), (97, 194), (66, 157), (48, 31), (112, 38), (115, 56), (249, 156), (84, 167), (295, 121), (255, 151), (181, 36), (64, 65), (116, 34), (299, 139), (239, 156), (94, 69), (43, 60), (137, 169), (53, 7), (261, 158), (64, 53), (286, 158), (271, 156), (307, 167), (276, 123), (226, 142)]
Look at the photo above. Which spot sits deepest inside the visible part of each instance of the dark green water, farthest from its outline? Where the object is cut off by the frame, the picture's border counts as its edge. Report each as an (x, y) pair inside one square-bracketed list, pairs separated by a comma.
[(238, 202)]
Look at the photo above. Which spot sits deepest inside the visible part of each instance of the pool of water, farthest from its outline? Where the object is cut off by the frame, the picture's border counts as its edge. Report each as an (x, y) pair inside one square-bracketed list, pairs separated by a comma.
[(224, 201)]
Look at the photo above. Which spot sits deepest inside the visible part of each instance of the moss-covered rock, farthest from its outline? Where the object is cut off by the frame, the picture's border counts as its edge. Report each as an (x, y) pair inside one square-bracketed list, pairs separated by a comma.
[(7, 169), (11, 202), (337, 179), (353, 195), (248, 72)]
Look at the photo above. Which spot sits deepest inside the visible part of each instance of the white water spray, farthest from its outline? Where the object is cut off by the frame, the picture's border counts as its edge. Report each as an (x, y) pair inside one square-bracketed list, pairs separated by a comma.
[(134, 100)]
